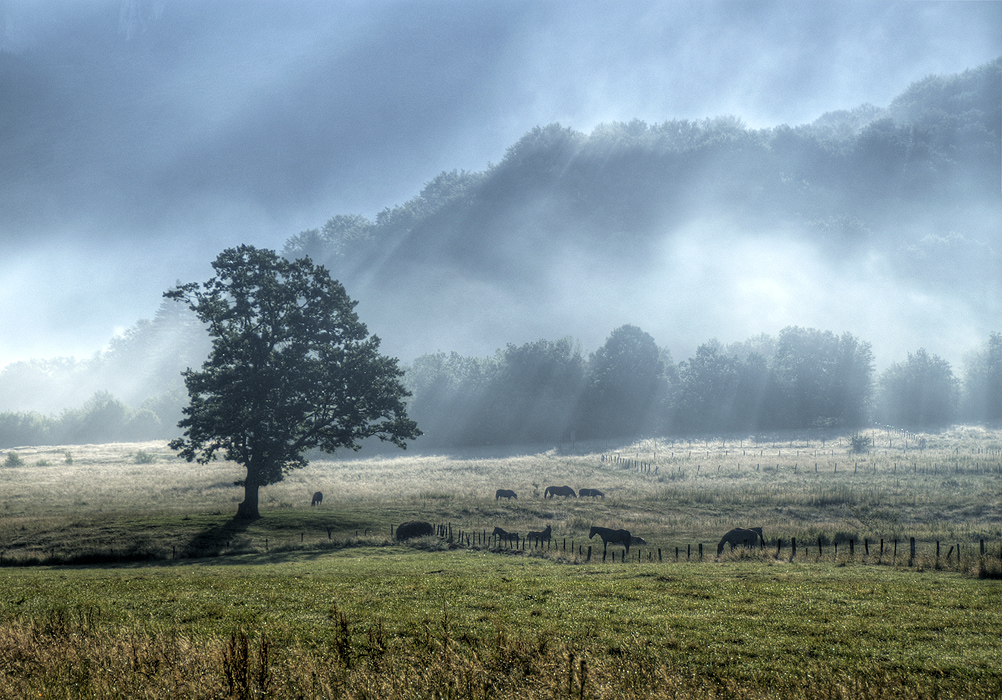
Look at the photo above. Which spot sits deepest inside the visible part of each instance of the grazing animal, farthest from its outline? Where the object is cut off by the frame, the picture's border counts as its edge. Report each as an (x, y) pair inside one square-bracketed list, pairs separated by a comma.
[(318, 498), (505, 536), (594, 493), (414, 528), (740, 536), (539, 537), (505, 493), (608, 535), (638, 540), (552, 491)]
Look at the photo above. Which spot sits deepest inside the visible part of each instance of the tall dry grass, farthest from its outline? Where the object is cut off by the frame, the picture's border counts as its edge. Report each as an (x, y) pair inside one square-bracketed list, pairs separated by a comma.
[(940, 487), (64, 657)]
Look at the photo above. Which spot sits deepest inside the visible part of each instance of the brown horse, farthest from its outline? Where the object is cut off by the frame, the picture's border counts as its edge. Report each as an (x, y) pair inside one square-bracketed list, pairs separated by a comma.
[(594, 493), (552, 491), (318, 498), (505, 493), (608, 535), (539, 537), (739, 536), (505, 536)]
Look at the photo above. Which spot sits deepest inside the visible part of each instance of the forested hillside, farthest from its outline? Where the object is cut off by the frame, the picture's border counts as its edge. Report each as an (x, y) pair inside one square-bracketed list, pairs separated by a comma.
[(885, 177)]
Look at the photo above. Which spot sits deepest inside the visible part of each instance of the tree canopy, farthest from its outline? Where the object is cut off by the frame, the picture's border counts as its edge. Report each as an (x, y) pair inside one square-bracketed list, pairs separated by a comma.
[(291, 368)]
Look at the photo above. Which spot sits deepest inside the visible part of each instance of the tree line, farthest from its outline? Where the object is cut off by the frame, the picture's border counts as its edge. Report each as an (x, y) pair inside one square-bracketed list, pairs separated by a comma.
[(551, 390), (803, 378)]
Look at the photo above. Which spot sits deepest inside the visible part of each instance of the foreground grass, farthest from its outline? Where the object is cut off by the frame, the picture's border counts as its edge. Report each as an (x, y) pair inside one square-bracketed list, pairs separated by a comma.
[(406, 623)]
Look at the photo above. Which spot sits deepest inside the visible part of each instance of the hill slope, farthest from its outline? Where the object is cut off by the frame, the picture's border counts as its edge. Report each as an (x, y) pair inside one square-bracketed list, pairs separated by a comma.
[(703, 224)]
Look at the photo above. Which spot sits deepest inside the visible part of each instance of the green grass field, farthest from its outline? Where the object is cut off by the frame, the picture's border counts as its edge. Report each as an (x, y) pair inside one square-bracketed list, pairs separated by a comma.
[(126, 577)]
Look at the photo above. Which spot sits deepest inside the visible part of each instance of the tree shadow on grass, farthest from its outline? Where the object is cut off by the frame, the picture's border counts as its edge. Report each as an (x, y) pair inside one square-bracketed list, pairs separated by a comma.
[(212, 541)]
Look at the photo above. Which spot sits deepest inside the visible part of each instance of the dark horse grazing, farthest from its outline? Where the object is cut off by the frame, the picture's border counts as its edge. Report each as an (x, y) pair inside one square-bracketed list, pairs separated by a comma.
[(552, 491), (505, 536), (539, 537), (739, 536), (414, 528), (594, 493), (608, 535), (318, 498), (505, 493)]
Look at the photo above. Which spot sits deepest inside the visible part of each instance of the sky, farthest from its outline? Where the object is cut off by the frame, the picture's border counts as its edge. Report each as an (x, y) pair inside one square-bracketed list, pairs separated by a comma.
[(155, 134)]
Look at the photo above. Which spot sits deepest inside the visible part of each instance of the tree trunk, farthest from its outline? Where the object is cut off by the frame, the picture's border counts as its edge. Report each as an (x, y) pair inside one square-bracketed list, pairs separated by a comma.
[(248, 509)]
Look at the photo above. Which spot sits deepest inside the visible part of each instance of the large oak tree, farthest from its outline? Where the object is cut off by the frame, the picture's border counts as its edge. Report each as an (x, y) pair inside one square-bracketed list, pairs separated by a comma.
[(291, 369)]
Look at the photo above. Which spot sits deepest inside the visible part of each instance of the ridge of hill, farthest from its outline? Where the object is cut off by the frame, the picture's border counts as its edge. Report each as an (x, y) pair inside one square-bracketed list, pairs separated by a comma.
[(620, 218)]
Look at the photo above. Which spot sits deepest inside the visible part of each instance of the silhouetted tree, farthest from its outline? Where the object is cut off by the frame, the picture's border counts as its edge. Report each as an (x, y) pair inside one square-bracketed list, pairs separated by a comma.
[(291, 368)]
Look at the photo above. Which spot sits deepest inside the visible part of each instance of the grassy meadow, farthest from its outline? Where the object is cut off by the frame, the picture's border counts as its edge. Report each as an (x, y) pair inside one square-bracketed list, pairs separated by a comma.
[(124, 574)]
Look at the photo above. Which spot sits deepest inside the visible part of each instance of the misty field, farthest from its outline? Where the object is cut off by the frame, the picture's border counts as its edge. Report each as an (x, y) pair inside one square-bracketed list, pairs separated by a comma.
[(125, 575)]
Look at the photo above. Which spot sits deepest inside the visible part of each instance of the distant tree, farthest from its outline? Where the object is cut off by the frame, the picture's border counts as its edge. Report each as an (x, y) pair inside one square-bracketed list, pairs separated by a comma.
[(920, 392), (723, 391), (823, 379), (708, 390), (534, 391), (450, 392), (342, 236), (983, 383), (291, 369), (754, 407), (101, 419), (625, 386), (24, 428)]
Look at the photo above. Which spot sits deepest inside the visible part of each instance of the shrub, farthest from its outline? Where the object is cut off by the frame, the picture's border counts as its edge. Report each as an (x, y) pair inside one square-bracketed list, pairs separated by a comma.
[(859, 443), (144, 457), (13, 460)]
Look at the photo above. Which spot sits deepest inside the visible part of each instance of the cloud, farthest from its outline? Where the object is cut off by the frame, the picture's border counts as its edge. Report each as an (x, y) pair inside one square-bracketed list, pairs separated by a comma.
[(152, 135)]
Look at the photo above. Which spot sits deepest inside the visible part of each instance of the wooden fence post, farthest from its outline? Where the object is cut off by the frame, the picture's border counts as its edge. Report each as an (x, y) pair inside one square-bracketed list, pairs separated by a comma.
[(589, 553), (701, 551), (911, 550), (793, 548)]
